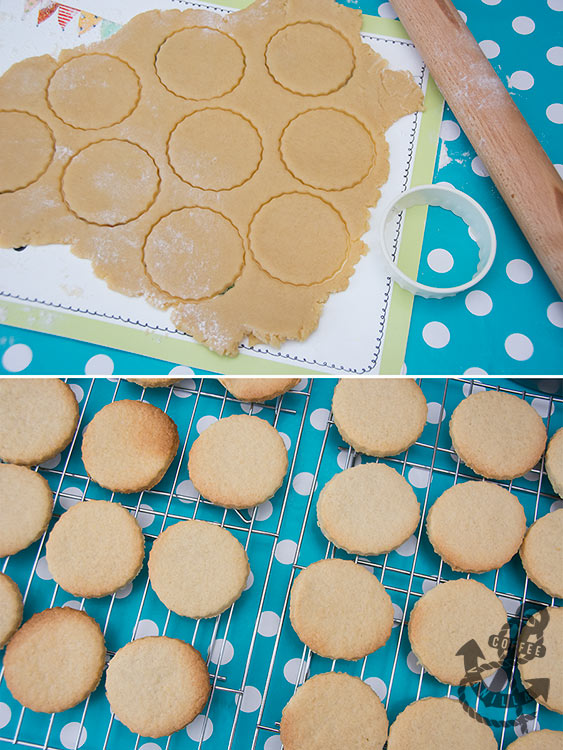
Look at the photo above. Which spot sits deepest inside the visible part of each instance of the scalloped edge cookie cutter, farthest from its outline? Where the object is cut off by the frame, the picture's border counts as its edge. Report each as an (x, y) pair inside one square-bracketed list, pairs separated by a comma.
[(462, 205)]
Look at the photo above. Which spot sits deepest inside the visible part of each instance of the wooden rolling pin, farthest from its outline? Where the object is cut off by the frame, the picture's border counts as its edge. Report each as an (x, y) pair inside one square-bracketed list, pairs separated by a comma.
[(518, 165)]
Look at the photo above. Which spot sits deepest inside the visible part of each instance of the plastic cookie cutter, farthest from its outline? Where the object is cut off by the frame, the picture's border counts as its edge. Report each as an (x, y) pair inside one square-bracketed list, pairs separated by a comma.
[(462, 205)]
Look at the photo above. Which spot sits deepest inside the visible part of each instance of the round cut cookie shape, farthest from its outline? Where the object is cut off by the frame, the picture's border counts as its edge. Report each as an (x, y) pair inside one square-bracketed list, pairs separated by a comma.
[(540, 656), (451, 623), (440, 724), (554, 462), (542, 739), (238, 462), (39, 417), (95, 548), (197, 569), (379, 416), (258, 389), (11, 608), (129, 445), (498, 435), (26, 506), (542, 553), (340, 610), (27, 146), (476, 526), (157, 685), (368, 509), (154, 382), (55, 660), (332, 711)]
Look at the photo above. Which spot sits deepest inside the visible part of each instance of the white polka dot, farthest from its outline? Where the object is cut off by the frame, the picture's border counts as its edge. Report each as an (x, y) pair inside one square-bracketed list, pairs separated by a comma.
[(70, 496), (264, 511), (463, 16), (407, 548), (523, 25), (181, 371), (412, 663), (145, 628), (491, 2), (5, 715), (186, 488), (397, 615), (404, 368), (72, 604), (428, 584), (149, 746), (526, 723), (489, 48), (556, 505), (145, 516), (435, 413), (268, 624), (469, 388), (70, 735), (378, 686), (291, 671), (273, 743), (99, 364), (478, 302), (251, 699), (519, 347), (303, 483), (479, 168), (555, 55), (521, 80), (286, 441), (532, 475), (50, 463), (205, 422), (183, 388), (285, 551), (319, 418), (436, 334), (559, 168), (497, 681), (541, 405), (555, 314), (555, 113), (474, 372), (301, 385), (42, 569), (555, 4), (124, 591), (419, 477), (449, 130), (248, 407), (200, 729), (344, 455), (249, 581), (77, 390), (215, 654), (386, 11), (440, 260), (512, 606), (519, 271), (17, 357)]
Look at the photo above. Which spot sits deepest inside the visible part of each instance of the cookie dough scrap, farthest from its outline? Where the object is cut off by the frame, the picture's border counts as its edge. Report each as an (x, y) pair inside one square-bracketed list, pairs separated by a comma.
[(26, 506), (542, 553), (11, 608), (542, 675), (242, 206)]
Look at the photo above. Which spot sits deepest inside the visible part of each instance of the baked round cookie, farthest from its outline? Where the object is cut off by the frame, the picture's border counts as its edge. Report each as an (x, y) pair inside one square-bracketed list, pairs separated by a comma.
[(440, 724), (450, 623), (257, 389), (498, 435), (554, 462), (197, 569), (39, 417), (542, 553), (340, 610), (238, 462), (542, 676), (542, 739), (368, 509), (332, 711), (55, 660), (157, 685), (476, 526), (95, 548), (379, 416), (129, 445), (11, 608), (26, 506), (154, 382)]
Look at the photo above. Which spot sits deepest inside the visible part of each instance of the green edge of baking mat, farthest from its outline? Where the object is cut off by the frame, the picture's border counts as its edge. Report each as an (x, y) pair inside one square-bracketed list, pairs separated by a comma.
[(151, 344)]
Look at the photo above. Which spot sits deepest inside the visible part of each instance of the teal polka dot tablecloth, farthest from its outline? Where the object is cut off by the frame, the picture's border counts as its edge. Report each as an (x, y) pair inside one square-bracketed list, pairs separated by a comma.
[(254, 656)]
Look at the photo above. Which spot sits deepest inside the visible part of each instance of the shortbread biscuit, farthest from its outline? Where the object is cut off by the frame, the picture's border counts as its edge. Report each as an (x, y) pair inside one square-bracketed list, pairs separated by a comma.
[(540, 670), (129, 445), (542, 739), (26, 506), (258, 389), (157, 685), (55, 660), (11, 608), (440, 724), (452, 623), (554, 462), (379, 416), (368, 509), (332, 711), (498, 435), (95, 548), (39, 417), (542, 553), (198, 569), (476, 526), (238, 462), (154, 382), (340, 610)]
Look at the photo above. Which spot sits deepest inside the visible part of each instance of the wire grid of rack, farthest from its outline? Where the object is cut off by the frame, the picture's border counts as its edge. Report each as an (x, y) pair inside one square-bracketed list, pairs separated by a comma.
[(250, 688)]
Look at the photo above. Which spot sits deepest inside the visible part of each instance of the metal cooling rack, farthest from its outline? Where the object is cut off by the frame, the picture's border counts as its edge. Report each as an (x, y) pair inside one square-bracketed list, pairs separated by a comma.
[(400, 576)]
